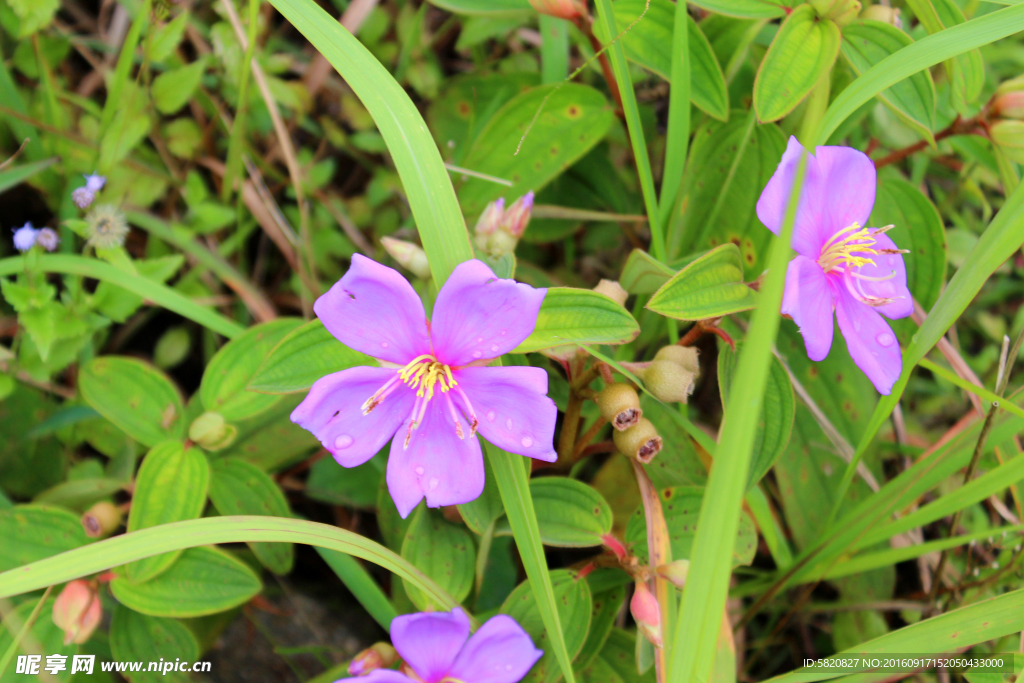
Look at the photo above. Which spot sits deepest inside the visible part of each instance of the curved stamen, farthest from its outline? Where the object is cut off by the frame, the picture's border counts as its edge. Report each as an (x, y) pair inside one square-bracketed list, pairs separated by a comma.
[(853, 286), (473, 422)]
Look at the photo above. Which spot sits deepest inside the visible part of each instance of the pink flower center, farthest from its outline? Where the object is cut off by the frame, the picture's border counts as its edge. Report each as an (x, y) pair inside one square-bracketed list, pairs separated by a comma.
[(425, 374), (852, 248)]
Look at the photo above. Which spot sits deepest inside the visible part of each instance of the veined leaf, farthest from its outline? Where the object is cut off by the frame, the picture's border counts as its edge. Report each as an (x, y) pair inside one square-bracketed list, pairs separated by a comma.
[(135, 396), (33, 532), (570, 514), (442, 551), (579, 316), (744, 9), (138, 637), (303, 356), (644, 274), (710, 287), (965, 71)]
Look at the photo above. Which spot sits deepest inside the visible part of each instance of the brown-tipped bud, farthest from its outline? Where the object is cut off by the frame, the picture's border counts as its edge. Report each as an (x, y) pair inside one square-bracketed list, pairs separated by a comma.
[(640, 442), (210, 431), (410, 256), (685, 356), (668, 381), (675, 572), (101, 520), (616, 546), (613, 290), (377, 656), (517, 217), (563, 9), (77, 611), (620, 405), (887, 15), (645, 610), (1009, 136)]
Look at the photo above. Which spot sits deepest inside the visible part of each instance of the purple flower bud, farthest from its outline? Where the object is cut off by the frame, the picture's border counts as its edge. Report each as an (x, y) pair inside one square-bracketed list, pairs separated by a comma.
[(490, 218), (47, 239), (517, 217), (95, 183), (25, 237), (82, 197)]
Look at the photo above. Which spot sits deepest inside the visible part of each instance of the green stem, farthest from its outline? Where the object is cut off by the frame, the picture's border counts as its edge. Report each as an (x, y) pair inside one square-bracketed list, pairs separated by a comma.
[(678, 134), (814, 113)]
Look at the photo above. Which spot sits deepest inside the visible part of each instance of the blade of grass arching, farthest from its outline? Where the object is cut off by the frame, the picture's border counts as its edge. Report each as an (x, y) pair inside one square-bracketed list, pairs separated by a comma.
[(427, 185), (961, 628), (968, 386), (769, 527), (636, 132), (707, 585), (514, 487), (6, 658), (161, 295), (892, 556), (234, 164), (361, 585), (136, 545), (19, 174), (260, 307), (1000, 240), (554, 49), (918, 56), (123, 70), (678, 134)]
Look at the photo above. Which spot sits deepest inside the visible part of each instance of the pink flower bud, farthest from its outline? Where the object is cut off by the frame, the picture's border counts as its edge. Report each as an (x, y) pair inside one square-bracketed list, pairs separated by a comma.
[(675, 572), (377, 656), (410, 256), (47, 239), (77, 611), (1009, 105), (490, 218), (616, 546), (563, 9), (647, 613), (515, 220)]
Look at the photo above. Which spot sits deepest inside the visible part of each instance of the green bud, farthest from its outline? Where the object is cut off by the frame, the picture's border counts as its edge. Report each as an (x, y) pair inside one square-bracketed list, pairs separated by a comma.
[(685, 356), (884, 14), (102, 519), (410, 256), (210, 431), (675, 572), (639, 442), (839, 11), (668, 381), (620, 405), (172, 347), (1009, 136)]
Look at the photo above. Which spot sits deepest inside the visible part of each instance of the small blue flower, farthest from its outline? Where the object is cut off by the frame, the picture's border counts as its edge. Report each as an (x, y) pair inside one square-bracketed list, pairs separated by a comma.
[(25, 237)]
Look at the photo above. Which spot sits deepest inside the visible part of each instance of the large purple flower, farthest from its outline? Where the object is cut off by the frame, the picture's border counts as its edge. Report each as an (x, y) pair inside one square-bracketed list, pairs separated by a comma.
[(437, 648), (433, 390), (857, 272)]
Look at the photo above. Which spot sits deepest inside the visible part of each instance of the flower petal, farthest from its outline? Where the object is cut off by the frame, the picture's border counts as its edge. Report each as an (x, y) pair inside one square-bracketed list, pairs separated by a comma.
[(430, 641), (895, 287), (848, 182), (808, 300), (477, 315), (499, 652), (808, 228), (378, 676), (332, 411), (437, 463), (870, 340), (375, 310), (512, 407)]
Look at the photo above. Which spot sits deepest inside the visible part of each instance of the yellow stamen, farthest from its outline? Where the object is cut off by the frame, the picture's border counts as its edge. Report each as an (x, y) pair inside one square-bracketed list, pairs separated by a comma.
[(839, 254)]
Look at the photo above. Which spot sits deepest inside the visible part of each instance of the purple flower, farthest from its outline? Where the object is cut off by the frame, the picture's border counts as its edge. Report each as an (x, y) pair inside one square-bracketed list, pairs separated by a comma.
[(433, 390), (857, 272), (437, 648), (84, 196), (47, 239), (25, 237)]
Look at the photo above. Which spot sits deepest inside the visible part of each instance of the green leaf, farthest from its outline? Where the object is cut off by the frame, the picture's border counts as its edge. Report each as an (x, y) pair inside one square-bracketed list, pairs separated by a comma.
[(681, 506), (442, 551), (922, 54), (605, 609), (803, 51), (173, 89), (16, 175), (730, 163), (616, 662), (162, 41), (644, 274), (363, 586), (160, 295), (233, 367), (775, 423), (573, 119), (274, 442), (572, 595), (139, 399), (919, 229), (965, 71), (203, 580), (570, 514), (238, 488), (137, 637), (480, 513), (493, 8), (80, 494), (867, 42), (744, 9), (32, 532), (170, 487), (424, 178), (579, 316), (710, 287), (649, 44), (34, 15), (357, 487), (303, 356), (513, 484), (44, 638)]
